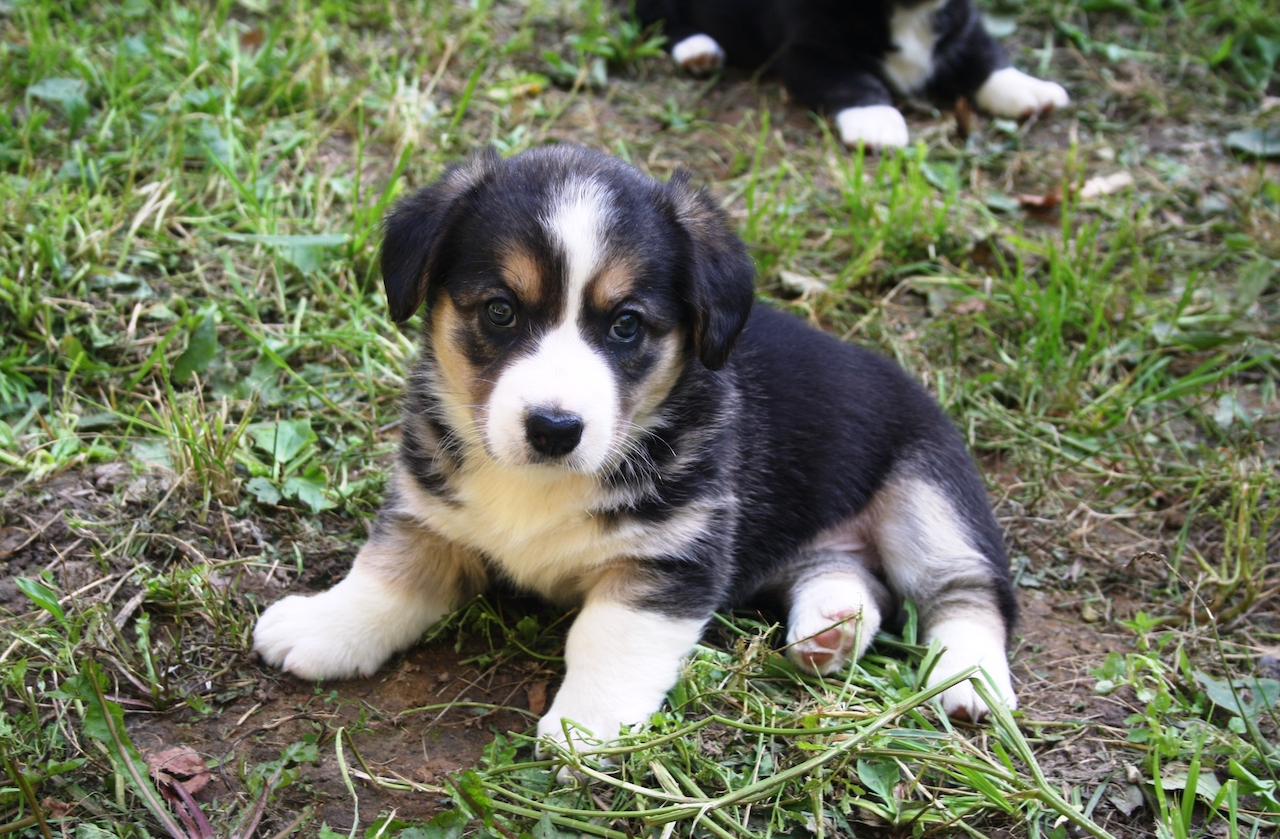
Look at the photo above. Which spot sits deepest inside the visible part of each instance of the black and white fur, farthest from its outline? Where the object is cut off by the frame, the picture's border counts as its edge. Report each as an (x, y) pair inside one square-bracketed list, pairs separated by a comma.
[(601, 415), (849, 57)]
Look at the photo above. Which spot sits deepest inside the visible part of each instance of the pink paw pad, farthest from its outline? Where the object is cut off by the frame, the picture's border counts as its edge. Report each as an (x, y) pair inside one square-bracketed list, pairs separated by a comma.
[(828, 650)]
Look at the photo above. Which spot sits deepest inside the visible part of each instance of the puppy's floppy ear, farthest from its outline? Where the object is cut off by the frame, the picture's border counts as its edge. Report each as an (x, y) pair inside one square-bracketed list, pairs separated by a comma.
[(721, 275), (415, 226)]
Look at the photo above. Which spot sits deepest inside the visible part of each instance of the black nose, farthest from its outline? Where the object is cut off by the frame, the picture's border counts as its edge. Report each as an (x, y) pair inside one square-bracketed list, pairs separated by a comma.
[(553, 434)]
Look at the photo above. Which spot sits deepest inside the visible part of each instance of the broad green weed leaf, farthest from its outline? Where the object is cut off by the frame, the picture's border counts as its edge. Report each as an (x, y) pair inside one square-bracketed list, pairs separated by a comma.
[(41, 595), (153, 452), (1246, 697), (67, 94), (309, 489), (201, 349), (880, 776), (446, 825), (1257, 142), (264, 491), (283, 440)]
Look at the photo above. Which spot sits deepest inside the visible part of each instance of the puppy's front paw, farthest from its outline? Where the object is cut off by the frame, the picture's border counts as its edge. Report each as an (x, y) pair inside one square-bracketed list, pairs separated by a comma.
[(587, 734), (318, 638), (874, 126), (698, 54), (1012, 94)]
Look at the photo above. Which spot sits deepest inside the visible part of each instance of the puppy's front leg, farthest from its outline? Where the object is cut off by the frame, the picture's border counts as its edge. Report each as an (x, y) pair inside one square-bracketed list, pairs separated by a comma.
[(621, 659), (403, 580)]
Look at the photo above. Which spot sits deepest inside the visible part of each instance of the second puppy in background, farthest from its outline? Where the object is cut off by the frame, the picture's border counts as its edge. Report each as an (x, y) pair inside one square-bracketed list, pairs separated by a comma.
[(848, 57)]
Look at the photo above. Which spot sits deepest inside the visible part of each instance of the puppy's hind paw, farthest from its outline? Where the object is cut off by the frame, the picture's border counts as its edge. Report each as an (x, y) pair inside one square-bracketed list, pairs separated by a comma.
[(874, 126), (963, 702), (698, 54), (1012, 94), (829, 650)]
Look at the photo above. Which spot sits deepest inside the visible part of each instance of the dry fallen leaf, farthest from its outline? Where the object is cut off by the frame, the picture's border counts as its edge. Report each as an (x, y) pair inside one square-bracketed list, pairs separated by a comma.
[(1040, 202), (970, 306), (252, 39), (180, 765), (537, 693), (799, 284), (1105, 184)]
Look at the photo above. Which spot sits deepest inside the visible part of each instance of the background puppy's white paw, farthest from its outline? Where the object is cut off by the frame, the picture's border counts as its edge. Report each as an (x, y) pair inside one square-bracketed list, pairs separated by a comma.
[(1012, 94), (874, 126), (318, 638), (698, 54)]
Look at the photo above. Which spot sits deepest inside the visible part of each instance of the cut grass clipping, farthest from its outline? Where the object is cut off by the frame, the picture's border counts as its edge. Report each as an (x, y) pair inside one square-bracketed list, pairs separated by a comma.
[(198, 388)]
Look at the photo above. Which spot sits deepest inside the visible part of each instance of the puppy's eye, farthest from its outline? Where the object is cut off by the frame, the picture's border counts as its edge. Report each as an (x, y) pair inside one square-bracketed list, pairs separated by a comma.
[(626, 327), (500, 312)]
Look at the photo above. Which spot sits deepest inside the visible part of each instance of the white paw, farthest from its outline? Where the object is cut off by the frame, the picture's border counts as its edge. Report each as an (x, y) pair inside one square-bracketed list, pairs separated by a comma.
[(620, 663), (874, 126), (1012, 94), (318, 638), (962, 702), (822, 648), (586, 734), (349, 630), (832, 619), (971, 643), (698, 54)]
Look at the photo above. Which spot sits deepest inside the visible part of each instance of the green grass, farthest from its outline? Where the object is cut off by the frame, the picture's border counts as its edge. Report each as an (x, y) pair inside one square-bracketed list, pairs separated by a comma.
[(198, 388)]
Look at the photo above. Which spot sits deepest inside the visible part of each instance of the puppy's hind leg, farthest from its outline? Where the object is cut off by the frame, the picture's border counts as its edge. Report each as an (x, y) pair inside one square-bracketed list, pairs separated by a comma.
[(835, 609), (403, 580), (953, 568)]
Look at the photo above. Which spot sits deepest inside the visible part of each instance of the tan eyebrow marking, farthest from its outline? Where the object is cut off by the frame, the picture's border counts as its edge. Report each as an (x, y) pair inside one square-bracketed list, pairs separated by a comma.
[(611, 283), (521, 273)]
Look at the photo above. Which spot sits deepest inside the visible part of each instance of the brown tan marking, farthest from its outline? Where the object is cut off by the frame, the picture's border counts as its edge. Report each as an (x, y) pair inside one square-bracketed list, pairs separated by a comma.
[(611, 284), (522, 275), (640, 403), (461, 386)]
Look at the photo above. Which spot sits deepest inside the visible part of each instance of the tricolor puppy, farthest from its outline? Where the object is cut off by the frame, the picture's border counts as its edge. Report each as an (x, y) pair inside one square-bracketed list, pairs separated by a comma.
[(600, 415), (849, 57)]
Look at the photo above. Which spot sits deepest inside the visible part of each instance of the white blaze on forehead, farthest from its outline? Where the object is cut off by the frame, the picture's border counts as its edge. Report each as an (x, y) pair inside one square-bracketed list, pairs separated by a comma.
[(564, 373), (579, 216)]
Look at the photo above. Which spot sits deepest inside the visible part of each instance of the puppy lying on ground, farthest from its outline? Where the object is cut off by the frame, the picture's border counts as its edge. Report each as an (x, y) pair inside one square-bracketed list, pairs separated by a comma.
[(599, 414), (848, 57)]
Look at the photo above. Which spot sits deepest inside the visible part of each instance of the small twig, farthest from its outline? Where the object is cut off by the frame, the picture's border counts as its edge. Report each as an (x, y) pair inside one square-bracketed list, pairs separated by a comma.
[(29, 794), (289, 828), (260, 807), (35, 534)]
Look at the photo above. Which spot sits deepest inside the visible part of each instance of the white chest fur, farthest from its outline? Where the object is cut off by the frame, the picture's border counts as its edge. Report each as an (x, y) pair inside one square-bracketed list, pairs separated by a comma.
[(910, 65), (538, 526), (533, 523)]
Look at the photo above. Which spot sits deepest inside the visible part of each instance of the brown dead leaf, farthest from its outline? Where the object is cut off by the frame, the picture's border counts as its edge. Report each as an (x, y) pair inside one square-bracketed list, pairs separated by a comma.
[(537, 693), (970, 306), (57, 809), (179, 765), (252, 39), (1048, 201)]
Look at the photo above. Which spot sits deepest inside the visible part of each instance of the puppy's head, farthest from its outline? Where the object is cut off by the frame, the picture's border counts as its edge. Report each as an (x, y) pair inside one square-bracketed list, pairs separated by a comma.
[(564, 292)]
